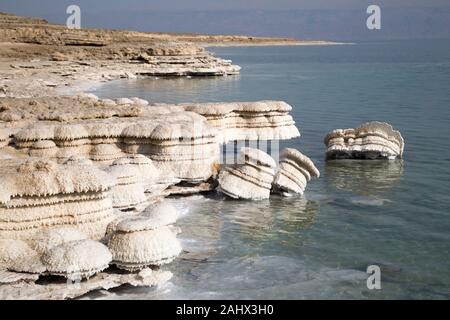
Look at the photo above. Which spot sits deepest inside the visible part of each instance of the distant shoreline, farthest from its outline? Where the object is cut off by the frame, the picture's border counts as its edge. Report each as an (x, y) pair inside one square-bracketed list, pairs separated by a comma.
[(272, 44)]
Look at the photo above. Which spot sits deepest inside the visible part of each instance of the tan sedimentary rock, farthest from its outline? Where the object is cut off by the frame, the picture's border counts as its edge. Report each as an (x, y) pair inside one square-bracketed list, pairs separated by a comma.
[(141, 241), (66, 108), (371, 140), (41, 194), (4, 137), (261, 120), (250, 179), (294, 172)]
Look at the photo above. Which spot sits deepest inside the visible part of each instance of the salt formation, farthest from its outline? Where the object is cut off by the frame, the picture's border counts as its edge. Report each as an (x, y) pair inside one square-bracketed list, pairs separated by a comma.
[(371, 140), (142, 241), (148, 173), (184, 148), (98, 141), (134, 174), (250, 179), (64, 252), (294, 172), (12, 250), (77, 259), (162, 211), (46, 239), (17, 286), (41, 194), (262, 120)]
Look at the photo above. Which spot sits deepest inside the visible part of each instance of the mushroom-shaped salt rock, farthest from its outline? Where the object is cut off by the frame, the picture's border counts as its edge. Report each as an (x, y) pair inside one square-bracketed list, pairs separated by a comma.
[(371, 140), (163, 211), (294, 172), (250, 180), (141, 242), (77, 259), (42, 194)]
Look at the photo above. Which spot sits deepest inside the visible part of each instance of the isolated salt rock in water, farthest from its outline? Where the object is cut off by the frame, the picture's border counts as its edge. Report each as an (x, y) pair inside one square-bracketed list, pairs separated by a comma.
[(78, 259), (371, 140), (137, 244), (295, 170), (42, 194), (46, 239), (251, 179), (12, 250)]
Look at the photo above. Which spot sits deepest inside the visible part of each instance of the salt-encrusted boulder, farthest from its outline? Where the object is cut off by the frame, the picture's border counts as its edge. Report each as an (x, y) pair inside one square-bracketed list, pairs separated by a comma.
[(46, 239), (77, 259), (60, 251), (41, 194), (12, 250), (140, 241), (294, 172), (250, 179), (371, 140), (163, 211), (261, 120)]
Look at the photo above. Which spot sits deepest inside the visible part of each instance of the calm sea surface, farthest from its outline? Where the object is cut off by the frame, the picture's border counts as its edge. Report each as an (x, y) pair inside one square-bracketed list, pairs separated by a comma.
[(392, 214)]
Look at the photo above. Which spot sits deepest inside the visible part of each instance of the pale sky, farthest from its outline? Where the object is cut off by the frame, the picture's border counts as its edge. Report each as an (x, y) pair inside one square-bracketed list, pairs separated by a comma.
[(303, 19)]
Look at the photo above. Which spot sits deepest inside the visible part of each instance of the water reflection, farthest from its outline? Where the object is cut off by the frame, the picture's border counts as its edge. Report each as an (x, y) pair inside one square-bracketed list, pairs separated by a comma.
[(367, 178), (181, 88), (218, 228)]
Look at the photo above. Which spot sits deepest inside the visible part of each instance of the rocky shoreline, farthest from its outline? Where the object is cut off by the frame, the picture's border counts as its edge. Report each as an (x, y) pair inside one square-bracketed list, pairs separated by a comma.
[(83, 175)]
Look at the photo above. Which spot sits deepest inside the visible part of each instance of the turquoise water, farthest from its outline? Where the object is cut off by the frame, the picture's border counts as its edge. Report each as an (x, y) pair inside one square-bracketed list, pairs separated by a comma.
[(392, 214)]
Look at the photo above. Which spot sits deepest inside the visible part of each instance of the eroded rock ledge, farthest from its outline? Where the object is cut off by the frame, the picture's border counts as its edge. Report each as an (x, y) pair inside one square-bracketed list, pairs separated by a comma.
[(94, 172), (83, 178)]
